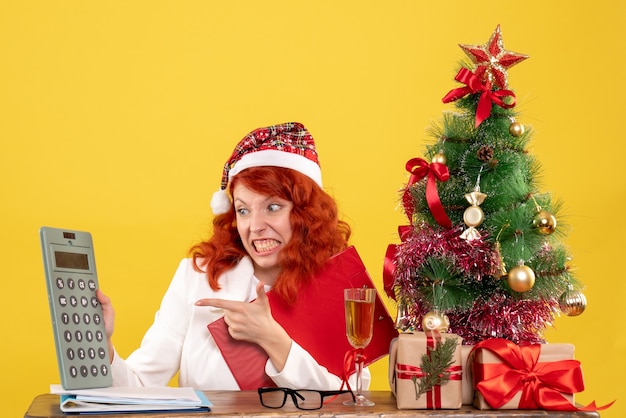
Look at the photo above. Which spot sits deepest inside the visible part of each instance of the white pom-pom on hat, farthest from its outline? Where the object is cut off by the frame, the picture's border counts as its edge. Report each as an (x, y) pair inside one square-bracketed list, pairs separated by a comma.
[(287, 145), (220, 202)]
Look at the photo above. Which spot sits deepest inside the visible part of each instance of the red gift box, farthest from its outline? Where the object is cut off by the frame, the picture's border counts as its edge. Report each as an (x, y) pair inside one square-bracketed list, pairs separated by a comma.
[(535, 376)]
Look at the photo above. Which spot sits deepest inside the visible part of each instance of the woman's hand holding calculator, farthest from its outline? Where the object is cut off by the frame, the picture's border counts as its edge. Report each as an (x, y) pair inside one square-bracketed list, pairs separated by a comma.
[(108, 314)]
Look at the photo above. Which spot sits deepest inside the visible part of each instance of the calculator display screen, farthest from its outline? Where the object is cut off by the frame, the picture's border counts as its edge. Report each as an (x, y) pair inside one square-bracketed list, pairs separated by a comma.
[(71, 260)]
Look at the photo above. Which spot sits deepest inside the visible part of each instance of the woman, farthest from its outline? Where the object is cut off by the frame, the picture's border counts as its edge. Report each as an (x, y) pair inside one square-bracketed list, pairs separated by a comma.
[(278, 230)]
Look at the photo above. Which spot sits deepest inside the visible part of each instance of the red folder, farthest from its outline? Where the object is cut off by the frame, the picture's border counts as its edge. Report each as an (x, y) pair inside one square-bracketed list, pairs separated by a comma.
[(316, 322)]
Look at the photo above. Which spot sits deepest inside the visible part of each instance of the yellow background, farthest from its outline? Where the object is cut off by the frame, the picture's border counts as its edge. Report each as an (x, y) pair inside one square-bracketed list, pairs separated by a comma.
[(116, 117)]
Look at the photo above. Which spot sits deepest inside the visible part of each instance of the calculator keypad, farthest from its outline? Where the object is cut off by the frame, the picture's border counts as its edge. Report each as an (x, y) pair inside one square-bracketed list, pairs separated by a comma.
[(83, 352)]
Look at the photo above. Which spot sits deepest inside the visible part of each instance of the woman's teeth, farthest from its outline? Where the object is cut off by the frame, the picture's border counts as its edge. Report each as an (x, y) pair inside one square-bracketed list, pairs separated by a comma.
[(265, 245)]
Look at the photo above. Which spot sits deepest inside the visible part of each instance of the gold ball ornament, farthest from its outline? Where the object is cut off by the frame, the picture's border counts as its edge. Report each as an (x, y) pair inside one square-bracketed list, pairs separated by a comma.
[(516, 129), (545, 222), (572, 302), (435, 321), (439, 158), (521, 278)]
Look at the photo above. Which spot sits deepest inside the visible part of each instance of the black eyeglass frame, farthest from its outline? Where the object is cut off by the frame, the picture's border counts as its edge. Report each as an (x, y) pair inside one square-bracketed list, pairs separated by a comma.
[(295, 395)]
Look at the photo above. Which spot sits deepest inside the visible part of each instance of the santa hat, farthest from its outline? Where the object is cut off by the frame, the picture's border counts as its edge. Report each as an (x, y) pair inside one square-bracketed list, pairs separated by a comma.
[(288, 145)]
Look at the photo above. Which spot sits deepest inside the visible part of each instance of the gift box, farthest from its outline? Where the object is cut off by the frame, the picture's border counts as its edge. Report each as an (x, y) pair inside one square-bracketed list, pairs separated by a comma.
[(536, 376), (415, 361), (467, 384)]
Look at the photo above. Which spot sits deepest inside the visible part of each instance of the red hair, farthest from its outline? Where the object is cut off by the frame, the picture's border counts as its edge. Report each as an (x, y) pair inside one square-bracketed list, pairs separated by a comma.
[(318, 233)]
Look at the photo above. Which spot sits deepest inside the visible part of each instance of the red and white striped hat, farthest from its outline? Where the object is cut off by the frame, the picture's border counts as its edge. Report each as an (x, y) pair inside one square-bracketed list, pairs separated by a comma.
[(287, 145)]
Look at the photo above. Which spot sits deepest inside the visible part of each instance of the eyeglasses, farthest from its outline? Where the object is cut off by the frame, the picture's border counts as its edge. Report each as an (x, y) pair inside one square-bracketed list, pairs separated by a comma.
[(302, 398)]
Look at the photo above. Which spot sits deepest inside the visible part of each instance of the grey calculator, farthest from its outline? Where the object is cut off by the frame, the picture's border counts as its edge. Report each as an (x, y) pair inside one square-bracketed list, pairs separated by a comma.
[(77, 321)]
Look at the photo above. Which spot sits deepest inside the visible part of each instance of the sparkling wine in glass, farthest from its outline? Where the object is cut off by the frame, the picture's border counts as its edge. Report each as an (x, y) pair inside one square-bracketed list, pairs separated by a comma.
[(359, 304)]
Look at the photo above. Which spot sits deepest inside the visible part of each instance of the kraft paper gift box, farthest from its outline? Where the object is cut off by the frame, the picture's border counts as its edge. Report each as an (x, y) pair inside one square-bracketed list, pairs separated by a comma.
[(509, 376), (405, 359), (467, 385)]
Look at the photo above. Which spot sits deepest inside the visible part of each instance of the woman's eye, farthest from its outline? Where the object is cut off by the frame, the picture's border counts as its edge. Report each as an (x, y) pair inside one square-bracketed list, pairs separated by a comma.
[(274, 207), (242, 211)]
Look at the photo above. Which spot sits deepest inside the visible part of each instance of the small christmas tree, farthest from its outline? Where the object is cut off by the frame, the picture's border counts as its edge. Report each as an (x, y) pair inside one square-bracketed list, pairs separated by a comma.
[(482, 255)]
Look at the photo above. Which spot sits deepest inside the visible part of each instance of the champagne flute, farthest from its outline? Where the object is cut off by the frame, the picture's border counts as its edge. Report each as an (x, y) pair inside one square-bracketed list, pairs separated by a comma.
[(359, 306)]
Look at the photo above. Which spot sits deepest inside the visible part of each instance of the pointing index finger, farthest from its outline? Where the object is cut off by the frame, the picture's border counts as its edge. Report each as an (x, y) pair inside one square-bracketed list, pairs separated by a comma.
[(231, 305)]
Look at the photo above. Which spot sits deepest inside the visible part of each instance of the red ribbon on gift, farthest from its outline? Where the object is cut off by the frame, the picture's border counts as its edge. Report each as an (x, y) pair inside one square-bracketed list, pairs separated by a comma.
[(542, 384), (433, 396), (474, 84), (419, 169)]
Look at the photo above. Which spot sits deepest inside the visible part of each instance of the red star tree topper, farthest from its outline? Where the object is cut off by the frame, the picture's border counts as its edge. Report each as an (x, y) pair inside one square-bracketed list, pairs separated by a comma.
[(492, 60)]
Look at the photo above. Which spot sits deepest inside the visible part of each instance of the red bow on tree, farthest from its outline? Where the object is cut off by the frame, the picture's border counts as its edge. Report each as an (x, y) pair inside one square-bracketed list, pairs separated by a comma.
[(419, 169), (473, 84), (389, 265)]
